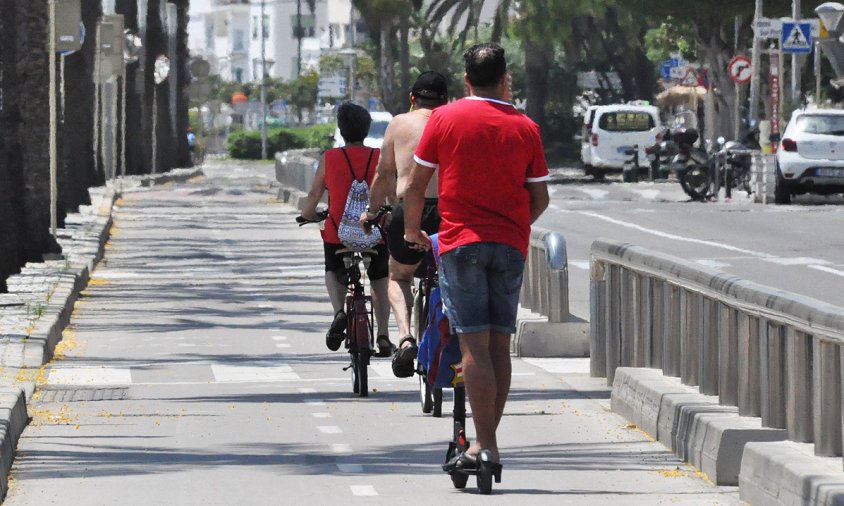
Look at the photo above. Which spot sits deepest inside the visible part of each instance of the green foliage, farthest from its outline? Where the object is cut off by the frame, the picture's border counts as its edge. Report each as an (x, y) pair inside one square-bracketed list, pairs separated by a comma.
[(672, 35), (246, 145)]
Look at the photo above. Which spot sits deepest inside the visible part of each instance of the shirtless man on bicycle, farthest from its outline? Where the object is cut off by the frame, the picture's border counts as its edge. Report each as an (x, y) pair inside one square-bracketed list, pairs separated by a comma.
[(391, 178)]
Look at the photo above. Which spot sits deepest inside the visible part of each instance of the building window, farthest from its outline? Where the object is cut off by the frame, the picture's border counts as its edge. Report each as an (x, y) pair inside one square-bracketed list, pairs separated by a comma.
[(239, 42), (308, 25), (238, 74), (254, 27)]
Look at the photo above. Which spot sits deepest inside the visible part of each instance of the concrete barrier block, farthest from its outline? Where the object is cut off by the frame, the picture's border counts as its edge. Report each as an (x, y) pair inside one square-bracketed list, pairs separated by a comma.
[(699, 430), (637, 395), (539, 338), (788, 473), (718, 440)]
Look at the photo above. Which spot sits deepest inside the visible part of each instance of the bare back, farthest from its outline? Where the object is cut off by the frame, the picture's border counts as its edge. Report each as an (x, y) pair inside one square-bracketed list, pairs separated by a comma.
[(400, 141)]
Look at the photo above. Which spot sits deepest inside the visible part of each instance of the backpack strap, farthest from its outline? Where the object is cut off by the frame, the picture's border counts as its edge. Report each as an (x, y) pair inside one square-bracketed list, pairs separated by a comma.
[(351, 168)]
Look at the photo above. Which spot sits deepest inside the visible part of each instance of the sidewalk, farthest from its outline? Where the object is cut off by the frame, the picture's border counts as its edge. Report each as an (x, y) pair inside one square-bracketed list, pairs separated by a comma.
[(195, 372)]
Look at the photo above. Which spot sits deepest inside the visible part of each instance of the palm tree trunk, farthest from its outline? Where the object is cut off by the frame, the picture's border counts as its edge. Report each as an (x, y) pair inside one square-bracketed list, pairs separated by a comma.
[(538, 59), (387, 73), (404, 29), (33, 81)]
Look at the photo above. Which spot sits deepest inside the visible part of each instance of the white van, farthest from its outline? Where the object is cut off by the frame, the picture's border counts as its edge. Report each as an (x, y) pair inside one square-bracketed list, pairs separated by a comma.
[(380, 120), (614, 130), (585, 134)]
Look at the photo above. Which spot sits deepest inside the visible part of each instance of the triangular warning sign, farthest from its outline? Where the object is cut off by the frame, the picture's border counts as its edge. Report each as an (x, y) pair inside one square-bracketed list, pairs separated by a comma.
[(690, 79), (796, 39)]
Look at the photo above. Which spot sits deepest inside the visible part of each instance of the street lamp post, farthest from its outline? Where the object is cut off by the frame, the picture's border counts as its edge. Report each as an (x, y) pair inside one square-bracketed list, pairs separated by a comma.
[(349, 59), (263, 83)]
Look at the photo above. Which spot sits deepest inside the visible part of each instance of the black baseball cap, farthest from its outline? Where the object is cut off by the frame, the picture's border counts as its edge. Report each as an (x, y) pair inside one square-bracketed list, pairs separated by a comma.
[(430, 85)]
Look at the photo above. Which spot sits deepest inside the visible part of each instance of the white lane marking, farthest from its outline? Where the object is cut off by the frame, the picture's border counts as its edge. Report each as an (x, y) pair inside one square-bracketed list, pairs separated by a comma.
[(580, 264), (647, 194), (382, 369), (233, 373), (350, 468), (186, 345), (90, 376), (279, 338), (675, 237), (561, 365), (266, 306), (282, 345), (321, 415), (341, 448), (797, 261), (595, 194), (315, 402), (363, 490), (713, 264), (330, 429), (307, 390), (827, 269)]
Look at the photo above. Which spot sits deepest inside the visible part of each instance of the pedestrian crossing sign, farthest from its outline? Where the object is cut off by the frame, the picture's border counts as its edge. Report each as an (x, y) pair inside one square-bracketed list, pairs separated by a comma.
[(796, 38)]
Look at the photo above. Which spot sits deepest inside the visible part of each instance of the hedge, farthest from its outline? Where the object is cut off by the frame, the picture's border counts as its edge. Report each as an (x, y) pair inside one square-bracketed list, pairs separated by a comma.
[(246, 145)]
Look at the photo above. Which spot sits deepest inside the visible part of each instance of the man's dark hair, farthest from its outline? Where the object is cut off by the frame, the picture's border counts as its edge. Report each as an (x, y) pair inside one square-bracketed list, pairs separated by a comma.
[(353, 121), (485, 64)]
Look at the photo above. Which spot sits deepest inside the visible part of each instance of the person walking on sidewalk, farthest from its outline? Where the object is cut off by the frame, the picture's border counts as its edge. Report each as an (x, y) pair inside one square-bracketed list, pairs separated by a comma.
[(492, 186), (400, 140), (337, 169)]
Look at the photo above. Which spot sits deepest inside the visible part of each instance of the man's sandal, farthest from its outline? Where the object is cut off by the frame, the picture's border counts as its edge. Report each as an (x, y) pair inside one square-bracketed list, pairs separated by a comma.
[(404, 357), (385, 347)]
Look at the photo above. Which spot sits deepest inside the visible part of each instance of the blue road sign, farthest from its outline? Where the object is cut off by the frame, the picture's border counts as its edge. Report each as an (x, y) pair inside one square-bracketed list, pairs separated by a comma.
[(796, 38), (665, 69)]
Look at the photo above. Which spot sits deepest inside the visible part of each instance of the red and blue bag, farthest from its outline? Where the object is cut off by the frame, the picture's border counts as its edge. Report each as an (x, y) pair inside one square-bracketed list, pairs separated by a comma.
[(439, 350)]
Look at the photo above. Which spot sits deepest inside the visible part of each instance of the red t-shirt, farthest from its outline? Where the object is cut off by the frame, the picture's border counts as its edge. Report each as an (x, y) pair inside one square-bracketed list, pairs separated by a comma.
[(338, 182), (485, 151)]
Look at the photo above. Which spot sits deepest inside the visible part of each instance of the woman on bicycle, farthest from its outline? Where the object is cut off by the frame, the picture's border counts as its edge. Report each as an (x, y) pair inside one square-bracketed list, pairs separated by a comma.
[(337, 168)]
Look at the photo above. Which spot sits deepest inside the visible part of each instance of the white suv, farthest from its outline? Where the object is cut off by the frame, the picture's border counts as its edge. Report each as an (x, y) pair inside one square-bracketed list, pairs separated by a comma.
[(612, 131), (380, 120), (811, 155)]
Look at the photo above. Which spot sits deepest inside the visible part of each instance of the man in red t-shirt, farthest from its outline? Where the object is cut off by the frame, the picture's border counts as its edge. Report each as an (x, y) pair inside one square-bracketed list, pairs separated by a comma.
[(492, 186)]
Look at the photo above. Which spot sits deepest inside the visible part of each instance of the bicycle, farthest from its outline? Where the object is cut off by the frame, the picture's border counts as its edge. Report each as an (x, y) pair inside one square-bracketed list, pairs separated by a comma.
[(431, 398), (360, 335)]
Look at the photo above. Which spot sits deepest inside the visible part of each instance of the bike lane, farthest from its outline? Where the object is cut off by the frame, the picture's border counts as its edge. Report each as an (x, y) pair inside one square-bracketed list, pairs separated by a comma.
[(195, 372)]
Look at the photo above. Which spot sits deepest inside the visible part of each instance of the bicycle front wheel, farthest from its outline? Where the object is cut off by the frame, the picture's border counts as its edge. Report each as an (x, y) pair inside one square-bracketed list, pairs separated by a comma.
[(362, 368)]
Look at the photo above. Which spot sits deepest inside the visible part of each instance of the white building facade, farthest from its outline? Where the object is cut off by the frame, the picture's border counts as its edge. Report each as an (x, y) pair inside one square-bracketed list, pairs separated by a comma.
[(228, 33)]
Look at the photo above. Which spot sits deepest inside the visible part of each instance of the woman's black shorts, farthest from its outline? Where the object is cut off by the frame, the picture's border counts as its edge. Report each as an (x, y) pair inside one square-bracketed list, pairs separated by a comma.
[(378, 268)]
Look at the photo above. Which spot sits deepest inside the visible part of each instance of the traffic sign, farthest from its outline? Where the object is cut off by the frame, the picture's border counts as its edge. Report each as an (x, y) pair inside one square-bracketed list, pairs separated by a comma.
[(796, 38), (690, 79), (332, 86), (665, 70), (767, 28), (740, 69)]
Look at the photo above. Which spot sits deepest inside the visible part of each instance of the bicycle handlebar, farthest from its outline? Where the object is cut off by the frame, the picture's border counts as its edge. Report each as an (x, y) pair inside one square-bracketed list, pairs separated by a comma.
[(321, 216), (368, 224)]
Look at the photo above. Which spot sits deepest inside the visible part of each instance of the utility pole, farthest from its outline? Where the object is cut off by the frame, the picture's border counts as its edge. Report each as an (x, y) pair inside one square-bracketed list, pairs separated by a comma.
[(299, 37), (796, 60), (51, 6), (263, 83), (755, 84)]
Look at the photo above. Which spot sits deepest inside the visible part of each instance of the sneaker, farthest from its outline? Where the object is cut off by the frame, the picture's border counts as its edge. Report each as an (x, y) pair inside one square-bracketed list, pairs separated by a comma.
[(336, 333)]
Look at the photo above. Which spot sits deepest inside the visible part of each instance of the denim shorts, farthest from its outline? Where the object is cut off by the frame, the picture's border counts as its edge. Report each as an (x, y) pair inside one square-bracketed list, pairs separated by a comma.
[(480, 285)]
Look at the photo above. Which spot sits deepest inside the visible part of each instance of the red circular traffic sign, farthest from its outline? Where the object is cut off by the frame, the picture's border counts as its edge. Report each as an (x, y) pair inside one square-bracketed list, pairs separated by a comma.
[(740, 69)]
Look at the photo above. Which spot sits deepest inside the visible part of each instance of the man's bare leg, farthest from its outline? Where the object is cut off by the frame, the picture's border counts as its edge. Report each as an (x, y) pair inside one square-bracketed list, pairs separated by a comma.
[(500, 351), (401, 296), (380, 307), (479, 376)]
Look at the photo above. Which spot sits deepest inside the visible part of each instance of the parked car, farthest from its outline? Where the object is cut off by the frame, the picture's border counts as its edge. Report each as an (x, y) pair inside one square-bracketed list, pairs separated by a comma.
[(380, 120), (811, 155), (585, 135), (612, 133)]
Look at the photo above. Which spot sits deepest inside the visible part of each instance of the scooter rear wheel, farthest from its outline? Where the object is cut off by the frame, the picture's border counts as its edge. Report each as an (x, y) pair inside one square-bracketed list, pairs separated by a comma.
[(425, 396), (459, 480)]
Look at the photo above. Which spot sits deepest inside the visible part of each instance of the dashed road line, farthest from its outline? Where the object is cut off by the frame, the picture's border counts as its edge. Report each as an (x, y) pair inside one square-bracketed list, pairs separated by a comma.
[(321, 415), (329, 429), (341, 448), (363, 490)]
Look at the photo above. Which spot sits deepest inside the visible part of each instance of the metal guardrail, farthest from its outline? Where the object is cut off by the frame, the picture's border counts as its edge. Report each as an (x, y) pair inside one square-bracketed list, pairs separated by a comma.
[(773, 354), (545, 289)]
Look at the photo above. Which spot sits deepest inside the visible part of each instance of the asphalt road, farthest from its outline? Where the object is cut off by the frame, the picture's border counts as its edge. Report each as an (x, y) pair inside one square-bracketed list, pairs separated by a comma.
[(194, 372), (798, 248)]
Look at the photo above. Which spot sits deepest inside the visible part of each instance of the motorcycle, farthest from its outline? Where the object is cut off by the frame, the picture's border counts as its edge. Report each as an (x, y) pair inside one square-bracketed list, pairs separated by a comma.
[(692, 165)]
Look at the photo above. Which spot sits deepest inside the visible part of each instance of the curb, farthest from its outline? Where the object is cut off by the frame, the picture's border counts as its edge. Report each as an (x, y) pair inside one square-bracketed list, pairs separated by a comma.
[(41, 299), (694, 426)]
